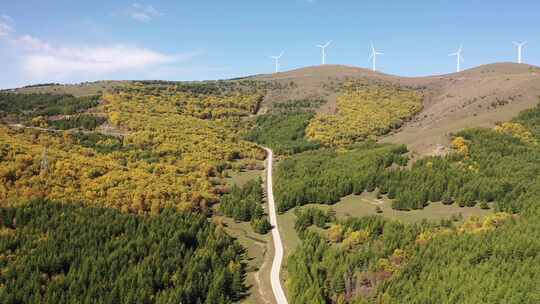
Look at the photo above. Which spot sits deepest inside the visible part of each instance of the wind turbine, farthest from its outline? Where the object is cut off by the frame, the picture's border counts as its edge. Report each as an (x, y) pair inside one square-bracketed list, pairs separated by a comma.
[(459, 57), (520, 48), (323, 47), (373, 56), (276, 59)]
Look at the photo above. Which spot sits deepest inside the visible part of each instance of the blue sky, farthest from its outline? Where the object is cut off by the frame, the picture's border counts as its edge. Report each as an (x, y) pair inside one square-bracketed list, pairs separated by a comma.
[(73, 41)]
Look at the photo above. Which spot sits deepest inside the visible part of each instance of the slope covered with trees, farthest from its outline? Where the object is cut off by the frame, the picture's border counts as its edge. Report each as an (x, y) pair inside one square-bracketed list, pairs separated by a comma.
[(364, 112), (482, 260), (284, 133), (24, 106), (176, 148), (327, 175), (477, 173), (86, 122), (58, 253)]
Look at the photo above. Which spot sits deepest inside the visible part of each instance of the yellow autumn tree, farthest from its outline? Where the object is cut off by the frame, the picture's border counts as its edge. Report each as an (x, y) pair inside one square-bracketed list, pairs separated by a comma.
[(335, 233), (517, 130), (461, 145)]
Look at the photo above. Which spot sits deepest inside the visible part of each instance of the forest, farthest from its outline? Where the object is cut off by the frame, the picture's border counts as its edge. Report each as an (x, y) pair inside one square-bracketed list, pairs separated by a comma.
[(283, 128), (364, 112), (86, 122), (124, 216), (26, 106), (357, 258), (326, 175), (67, 253), (150, 167), (283, 133), (89, 217), (477, 173), (480, 260)]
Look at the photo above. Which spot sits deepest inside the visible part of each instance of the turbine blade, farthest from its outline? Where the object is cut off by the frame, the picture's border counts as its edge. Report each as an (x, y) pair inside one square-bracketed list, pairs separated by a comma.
[(281, 54)]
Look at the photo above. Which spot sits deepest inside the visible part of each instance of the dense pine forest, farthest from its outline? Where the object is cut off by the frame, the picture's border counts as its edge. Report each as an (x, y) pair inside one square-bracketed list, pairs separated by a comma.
[(284, 133), (326, 175), (43, 104), (58, 253)]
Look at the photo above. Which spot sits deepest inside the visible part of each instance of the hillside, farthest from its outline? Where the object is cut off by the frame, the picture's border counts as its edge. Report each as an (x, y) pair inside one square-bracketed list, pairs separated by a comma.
[(476, 97), (147, 152)]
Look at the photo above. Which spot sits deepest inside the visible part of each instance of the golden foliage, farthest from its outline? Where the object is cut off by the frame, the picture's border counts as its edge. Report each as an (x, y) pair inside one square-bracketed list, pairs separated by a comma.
[(364, 113), (176, 145), (335, 233), (355, 238), (461, 145), (478, 225), (517, 130)]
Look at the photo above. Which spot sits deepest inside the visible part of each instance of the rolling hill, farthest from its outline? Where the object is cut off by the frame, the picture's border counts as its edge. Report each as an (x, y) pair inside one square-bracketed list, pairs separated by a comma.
[(481, 96)]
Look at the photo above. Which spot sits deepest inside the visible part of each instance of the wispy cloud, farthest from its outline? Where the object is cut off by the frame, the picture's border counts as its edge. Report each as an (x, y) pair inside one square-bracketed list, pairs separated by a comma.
[(66, 62), (141, 12), (37, 60), (6, 27), (29, 43)]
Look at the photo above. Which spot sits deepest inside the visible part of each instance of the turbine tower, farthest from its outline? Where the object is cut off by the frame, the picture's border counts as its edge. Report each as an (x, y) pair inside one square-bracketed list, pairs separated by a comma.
[(520, 49), (323, 47), (459, 57), (276, 59), (373, 57)]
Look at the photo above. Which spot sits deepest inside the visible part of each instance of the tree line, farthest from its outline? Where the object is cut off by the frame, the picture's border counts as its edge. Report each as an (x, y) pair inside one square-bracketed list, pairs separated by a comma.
[(86, 122), (44, 104)]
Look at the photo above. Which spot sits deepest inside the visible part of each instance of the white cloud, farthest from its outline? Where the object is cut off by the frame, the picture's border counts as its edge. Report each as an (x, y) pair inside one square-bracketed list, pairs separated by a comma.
[(6, 27), (29, 43), (69, 62), (141, 12), (35, 60)]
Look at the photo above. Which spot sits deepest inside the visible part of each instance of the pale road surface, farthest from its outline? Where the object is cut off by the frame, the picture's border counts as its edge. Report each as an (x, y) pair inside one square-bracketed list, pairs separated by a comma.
[(278, 255)]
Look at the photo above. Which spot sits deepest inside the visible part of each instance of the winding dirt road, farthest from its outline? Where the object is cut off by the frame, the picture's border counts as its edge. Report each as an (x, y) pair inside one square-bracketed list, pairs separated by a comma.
[(278, 255)]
